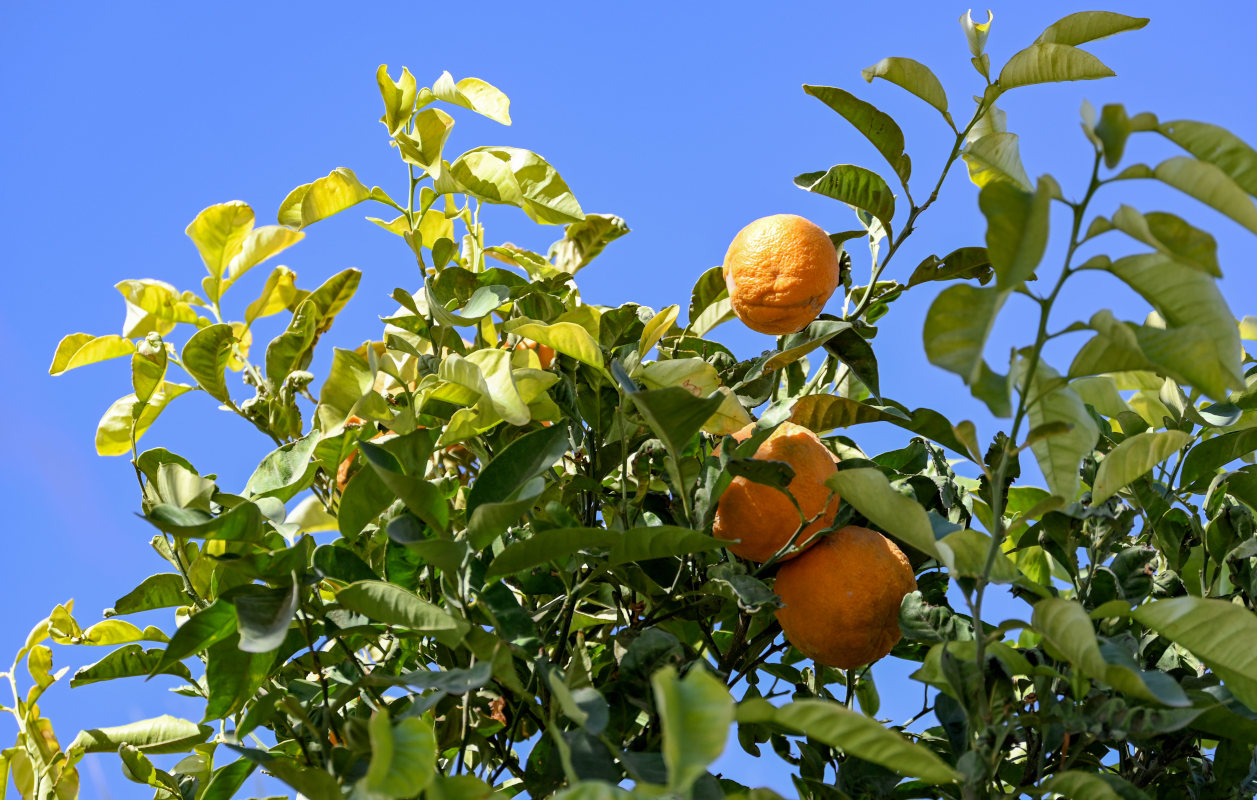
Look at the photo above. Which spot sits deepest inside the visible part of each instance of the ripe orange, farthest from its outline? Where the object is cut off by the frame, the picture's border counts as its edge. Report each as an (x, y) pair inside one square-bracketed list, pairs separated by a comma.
[(545, 353), (780, 270), (842, 597), (762, 517)]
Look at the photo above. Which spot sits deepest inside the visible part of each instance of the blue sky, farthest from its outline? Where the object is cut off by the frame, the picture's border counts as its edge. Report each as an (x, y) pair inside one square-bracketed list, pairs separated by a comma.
[(122, 121)]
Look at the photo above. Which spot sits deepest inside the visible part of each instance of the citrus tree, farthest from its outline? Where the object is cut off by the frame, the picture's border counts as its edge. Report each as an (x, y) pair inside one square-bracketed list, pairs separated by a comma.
[(521, 544)]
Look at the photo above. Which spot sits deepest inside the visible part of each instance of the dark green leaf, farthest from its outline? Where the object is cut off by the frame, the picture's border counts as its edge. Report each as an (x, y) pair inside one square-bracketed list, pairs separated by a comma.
[(156, 591), (876, 126), (855, 186), (664, 541), (264, 616), (543, 547), (1205, 459), (393, 605), (128, 661), (207, 627)]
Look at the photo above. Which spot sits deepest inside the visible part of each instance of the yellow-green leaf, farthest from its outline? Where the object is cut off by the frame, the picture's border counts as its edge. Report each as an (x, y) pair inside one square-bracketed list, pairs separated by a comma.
[(218, 233), (479, 96), (912, 76), (399, 97), (79, 349), (1050, 63), (1133, 457), (114, 431), (312, 202)]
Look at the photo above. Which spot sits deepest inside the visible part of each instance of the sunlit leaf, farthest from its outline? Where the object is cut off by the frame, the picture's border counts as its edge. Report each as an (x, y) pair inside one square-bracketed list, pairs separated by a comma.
[(78, 349), (395, 606), (119, 425), (1132, 458), (567, 338), (423, 145), (475, 94), (1079, 785), (312, 202), (1172, 236), (153, 307), (996, 158), (1211, 186), (695, 713), (1206, 458), (399, 97), (219, 232)]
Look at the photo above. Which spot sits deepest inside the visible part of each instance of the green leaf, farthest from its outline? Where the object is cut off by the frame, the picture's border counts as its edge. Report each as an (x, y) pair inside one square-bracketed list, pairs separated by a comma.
[(148, 368), (393, 605), (263, 617), (128, 661), (422, 497), (205, 358), (956, 329), (853, 350), (285, 471), (1050, 63), (399, 97), (871, 494), (824, 412), (164, 590), (674, 414), (312, 202), (291, 349), (475, 94), (242, 523), (333, 295), (1049, 400), (1087, 26), (876, 126), (219, 232), (1133, 457), (233, 677), (1211, 186), (970, 549), (119, 425), (510, 471), (451, 681), (1205, 459), (403, 756), (1217, 146), (855, 186), (258, 246), (854, 733), (695, 713), (1219, 633), (912, 76), (312, 782), (543, 547), (1067, 628), (1187, 297), (964, 262), (1080, 785), (203, 629), (662, 541), (226, 781), (654, 330), (78, 349), (118, 631), (567, 338), (1171, 236), (164, 734), (1016, 230)]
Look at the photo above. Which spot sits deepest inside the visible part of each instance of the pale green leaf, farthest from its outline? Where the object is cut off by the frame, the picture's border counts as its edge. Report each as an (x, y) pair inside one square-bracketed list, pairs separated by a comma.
[(995, 158), (1079, 785), (153, 307), (399, 97), (1171, 236), (1016, 230), (78, 349), (164, 734), (402, 609), (219, 232), (1211, 186), (116, 428), (956, 329), (654, 330), (1050, 63), (1218, 632), (1217, 146), (403, 755), (1049, 399), (279, 293), (1133, 457), (312, 202), (1087, 26), (567, 338), (475, 94), (695, 713), (422, 146)]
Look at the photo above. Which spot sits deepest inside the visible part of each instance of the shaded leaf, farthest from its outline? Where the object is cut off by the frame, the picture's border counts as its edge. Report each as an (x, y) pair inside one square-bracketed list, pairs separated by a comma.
[(1050, 63), (205, 358), (871, 494), (855, 186), (543, 547), (393, 605), (912, 76), (695, 713)]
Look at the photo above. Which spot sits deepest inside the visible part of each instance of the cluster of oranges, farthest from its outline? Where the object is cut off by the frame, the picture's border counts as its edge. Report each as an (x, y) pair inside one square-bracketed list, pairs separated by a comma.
[(841, 591)]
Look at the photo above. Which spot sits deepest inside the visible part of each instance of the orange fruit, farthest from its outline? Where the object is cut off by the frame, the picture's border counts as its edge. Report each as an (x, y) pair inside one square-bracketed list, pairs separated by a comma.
[(762, 517), (780, 270), (842, 597), (545, 353)]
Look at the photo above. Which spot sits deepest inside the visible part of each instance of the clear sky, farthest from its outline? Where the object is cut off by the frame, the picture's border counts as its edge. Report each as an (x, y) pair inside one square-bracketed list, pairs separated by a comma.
[(122, 120)]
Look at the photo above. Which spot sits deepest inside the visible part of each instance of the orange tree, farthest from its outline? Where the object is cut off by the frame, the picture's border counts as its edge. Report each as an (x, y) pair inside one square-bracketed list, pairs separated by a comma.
[(463, 572)]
